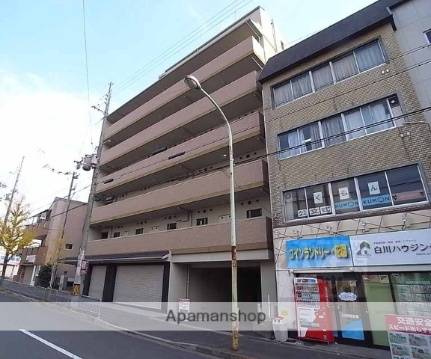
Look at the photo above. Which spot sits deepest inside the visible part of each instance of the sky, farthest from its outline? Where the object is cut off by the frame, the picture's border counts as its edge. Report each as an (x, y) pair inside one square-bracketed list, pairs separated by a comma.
[(45, 112)]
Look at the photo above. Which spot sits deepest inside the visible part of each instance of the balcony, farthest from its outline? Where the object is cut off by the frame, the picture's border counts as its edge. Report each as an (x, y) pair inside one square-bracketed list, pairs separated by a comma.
[(40, 230), (210, 189), (199, 152), (254, 233), (34, 255), (236, 99), (242, 59)]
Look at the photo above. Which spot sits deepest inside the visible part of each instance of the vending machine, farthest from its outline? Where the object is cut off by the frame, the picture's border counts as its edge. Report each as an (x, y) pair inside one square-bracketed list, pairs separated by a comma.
[(313, 309)]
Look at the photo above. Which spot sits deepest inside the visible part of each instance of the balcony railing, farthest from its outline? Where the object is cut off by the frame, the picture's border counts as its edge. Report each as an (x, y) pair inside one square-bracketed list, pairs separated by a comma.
[(34, 255)]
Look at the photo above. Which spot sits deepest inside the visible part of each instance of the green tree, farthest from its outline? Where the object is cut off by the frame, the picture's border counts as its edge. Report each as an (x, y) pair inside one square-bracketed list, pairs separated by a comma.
[(14, 236), (44, 276)]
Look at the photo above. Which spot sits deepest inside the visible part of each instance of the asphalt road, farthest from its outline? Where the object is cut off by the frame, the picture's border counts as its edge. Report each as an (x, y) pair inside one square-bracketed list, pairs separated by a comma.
[(83, 345)]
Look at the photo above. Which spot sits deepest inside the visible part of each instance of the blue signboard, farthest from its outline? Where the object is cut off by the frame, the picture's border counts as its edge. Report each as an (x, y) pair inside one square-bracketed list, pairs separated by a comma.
[(321, 252)]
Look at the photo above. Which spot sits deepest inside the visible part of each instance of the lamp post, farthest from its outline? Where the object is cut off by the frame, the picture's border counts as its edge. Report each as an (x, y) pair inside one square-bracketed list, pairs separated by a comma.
[(193, 83)]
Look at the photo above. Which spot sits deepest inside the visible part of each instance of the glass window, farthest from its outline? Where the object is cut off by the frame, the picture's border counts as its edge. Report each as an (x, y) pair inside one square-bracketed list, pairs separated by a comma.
[(139, 231), (301, 85), (170, 226), (428, 36), (406, 185), (333, 130), (282, 94), (289, 144), (202, 221), (374, 191), (322, 77), (377, 116), (345, 196), (309, 137), (354, 124), (369, 56), (116, 234), (345, 67), (295, 204), (252, 213), (319, 200)]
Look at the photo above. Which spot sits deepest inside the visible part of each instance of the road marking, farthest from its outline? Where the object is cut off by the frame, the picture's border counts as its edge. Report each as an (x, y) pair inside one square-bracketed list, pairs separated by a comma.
[(53, 346)]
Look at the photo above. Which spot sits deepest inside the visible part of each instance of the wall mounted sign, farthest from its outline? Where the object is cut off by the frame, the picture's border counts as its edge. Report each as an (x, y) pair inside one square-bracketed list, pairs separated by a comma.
[(319, 252), (392, 248)]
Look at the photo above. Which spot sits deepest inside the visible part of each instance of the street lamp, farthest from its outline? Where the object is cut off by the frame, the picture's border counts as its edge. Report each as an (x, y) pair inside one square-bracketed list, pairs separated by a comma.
[(194, 84)]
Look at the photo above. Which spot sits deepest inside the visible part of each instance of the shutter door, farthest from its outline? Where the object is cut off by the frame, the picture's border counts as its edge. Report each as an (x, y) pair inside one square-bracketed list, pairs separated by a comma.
[(139, 283), (27, 274), (97, 282)]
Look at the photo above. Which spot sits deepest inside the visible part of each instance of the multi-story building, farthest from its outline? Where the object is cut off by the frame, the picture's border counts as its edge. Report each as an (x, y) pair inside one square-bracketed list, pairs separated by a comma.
[(349, 167), (160, 225), (12, 265), (49, 247)]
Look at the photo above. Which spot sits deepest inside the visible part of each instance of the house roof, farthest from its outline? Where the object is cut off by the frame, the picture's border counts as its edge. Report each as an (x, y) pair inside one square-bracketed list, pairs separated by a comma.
[(363, 20)]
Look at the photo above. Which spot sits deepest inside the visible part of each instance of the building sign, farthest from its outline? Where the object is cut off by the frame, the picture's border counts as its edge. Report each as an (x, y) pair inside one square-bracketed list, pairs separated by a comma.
[(392, 248), (319, 252), (409, 337)]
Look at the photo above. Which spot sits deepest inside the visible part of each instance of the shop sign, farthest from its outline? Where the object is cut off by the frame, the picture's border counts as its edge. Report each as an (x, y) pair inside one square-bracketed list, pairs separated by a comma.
[(392, 248), (319, 252), (409, 337)]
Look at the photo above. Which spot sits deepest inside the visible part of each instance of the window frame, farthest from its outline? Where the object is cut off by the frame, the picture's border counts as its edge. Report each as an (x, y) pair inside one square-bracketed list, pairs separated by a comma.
[(140, 229), (168, 225), (427, 34), (330, 63), (204, 221), (358, 196), (249, 211)]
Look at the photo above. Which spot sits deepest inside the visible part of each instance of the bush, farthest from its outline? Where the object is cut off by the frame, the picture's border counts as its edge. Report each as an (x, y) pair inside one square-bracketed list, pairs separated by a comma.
[(44, 276)]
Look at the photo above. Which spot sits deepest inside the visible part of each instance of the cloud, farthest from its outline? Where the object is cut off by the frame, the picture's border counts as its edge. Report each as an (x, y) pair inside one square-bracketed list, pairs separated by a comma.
[(47, 126)]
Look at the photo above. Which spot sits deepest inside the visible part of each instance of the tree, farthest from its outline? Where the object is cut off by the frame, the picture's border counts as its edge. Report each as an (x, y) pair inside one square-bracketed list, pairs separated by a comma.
[(44, 276), (14, 236)]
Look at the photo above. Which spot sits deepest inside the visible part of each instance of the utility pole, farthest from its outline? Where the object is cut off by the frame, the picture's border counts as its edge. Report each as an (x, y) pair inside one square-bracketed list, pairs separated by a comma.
[(9, 206), (86, 228), (69, 199)]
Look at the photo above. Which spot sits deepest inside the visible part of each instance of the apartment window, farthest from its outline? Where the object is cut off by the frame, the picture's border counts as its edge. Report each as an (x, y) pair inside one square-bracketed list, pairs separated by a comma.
[(428, 35), (116, 234), (252, 213), (68, 246), (355, 123), (394, 187), (139, 231), (171, 226), (360, 59), (406, 185), (104, 235), (345, 197), (201, 221)]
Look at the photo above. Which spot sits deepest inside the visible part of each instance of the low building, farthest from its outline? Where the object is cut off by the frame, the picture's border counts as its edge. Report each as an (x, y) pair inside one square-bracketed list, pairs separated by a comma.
[(349, 166), (49, 247)]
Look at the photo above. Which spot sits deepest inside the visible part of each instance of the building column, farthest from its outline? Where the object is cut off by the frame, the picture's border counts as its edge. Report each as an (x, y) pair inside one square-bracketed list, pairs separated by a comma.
[(268, 288), (177, 284)]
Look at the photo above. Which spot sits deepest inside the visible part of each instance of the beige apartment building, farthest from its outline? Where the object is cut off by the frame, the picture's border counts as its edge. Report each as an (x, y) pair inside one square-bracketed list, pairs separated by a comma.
[(160, 225), (349, 168), (49, 247)]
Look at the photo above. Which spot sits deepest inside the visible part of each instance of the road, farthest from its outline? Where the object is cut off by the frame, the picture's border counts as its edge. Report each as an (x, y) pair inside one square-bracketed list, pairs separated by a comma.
[(83, 345)]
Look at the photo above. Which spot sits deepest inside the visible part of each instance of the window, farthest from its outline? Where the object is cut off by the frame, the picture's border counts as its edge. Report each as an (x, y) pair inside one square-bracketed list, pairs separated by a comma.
[(68, 246), (318, 200), (309, 137), (201, 221), (322, 77), (116, 234), (345, 67), (104, 235), (139, 231), (360, 59), (333, 130), (406, 185), (377, 116), (289, 144), (428, 35), (374, 191), (345, 197), (369, 56), (171, 226), (252, 213)]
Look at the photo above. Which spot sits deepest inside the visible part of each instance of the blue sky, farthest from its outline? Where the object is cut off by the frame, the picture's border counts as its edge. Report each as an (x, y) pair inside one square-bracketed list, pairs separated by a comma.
[(43, 94)]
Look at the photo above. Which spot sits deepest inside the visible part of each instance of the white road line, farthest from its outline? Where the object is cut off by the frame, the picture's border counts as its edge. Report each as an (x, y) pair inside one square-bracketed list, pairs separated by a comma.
[(53, 346)]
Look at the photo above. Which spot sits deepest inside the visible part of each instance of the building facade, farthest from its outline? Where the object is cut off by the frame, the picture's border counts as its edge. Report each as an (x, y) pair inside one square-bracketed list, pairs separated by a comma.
[(349, 167), (160, 224), (49, 247)]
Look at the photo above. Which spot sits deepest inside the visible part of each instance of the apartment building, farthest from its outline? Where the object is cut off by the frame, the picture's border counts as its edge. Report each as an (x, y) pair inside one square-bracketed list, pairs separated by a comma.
[(349, 170), (49, 248), (160, 225)]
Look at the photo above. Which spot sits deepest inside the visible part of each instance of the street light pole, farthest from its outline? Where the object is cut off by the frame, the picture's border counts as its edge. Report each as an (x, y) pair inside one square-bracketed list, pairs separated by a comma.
[(193, 83)]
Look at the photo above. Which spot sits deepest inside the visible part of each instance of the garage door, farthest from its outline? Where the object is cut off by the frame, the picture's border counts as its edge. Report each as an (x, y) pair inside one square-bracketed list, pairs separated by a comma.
[(139, 283), (97, 282)]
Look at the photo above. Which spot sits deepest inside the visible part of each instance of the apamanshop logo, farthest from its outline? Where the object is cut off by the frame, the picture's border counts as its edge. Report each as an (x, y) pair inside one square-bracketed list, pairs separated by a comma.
[(215, 317), (364, 249)]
